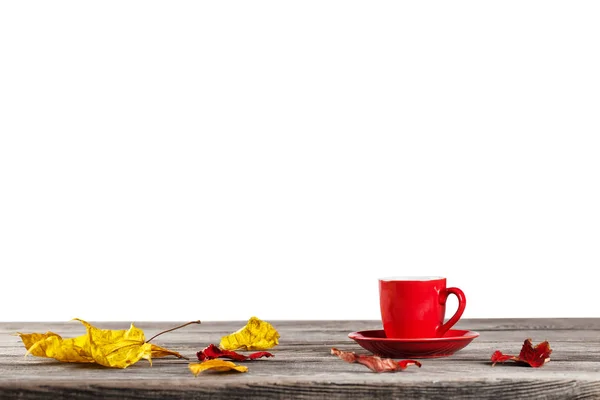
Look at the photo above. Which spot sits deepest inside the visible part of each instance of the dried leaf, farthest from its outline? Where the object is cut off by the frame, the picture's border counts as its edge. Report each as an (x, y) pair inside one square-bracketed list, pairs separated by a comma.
[(29, 339), (256, 335), (211, 352), (374, 363), (216, 365), (533, 356), (161, 352), (111, 348), (54, 346), (116, 348)]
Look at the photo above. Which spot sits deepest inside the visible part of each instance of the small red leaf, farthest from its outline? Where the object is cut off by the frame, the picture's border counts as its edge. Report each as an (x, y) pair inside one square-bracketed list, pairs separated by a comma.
[(533, 356), (374, 363), (211, 352), (259, 354)]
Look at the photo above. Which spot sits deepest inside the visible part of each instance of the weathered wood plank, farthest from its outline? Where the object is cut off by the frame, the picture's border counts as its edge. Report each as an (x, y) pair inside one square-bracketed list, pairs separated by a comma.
[(303, 368)]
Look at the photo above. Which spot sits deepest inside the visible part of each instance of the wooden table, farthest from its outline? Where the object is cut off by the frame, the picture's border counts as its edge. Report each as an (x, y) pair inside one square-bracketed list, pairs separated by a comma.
[(303, 367)]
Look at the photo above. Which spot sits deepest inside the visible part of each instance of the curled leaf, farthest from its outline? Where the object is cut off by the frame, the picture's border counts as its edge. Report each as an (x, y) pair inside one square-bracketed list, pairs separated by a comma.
[(54, 346), (216, 365), (110, 348), (29, 339), (256, 335), (211, 352), (160, 352), (533, 356), (374, 363), (116, 348)]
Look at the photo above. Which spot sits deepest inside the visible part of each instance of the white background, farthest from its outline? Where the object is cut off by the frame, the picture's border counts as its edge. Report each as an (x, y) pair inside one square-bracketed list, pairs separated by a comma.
[(218, 160)]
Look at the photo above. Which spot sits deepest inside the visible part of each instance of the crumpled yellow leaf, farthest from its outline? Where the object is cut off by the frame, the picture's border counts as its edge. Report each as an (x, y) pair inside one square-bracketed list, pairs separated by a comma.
[(111, 348), (160, 352), (29, 339), (54, 346), (256, 335), (216, 365)]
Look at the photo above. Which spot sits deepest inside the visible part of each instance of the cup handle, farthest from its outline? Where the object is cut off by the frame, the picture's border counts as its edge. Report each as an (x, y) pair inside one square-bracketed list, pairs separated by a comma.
[(462, 303)]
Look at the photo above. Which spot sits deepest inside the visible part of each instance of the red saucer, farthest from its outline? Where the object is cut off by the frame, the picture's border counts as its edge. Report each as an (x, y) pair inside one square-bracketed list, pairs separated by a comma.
[(376, 342)]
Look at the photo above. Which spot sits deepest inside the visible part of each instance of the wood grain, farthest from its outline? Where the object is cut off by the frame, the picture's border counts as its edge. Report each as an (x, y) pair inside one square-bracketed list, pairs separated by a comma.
[(303, 368)]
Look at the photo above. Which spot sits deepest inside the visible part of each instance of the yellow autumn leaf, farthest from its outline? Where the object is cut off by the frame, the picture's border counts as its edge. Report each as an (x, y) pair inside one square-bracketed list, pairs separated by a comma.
[(116, 348), (54, 346), (160, 352), (256, 335), (216, 365), (29, 339), (111, 348)]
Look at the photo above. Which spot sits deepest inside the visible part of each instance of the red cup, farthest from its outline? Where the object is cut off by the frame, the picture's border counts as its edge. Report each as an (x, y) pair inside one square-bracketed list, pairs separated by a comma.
[(414, 307)]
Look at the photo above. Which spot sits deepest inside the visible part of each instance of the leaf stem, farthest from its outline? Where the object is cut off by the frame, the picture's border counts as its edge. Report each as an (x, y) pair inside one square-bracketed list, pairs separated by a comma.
[(172, 329)]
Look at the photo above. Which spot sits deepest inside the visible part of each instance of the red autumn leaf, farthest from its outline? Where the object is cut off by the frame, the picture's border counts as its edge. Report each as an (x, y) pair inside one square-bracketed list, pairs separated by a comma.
[(211, 352), (533, 356), (374, 363)]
